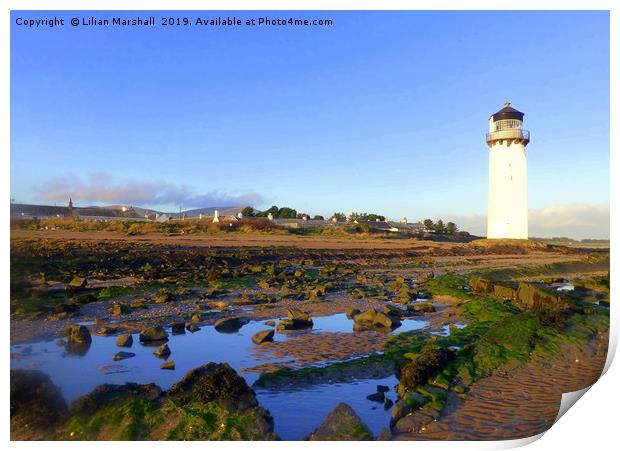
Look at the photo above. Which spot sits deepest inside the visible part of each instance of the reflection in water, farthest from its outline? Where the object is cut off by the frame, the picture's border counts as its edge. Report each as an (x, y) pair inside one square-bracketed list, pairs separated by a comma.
[(78, 370)]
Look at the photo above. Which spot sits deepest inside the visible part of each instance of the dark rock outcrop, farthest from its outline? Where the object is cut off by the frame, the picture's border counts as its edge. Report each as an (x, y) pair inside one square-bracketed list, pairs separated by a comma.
[(37, 405)]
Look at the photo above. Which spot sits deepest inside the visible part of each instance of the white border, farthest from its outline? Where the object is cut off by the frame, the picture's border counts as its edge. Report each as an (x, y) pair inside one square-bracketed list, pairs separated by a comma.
[(590, 426)]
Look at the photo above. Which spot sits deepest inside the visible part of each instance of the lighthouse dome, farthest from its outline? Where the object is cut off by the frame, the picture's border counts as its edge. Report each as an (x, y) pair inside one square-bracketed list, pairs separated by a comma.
[(508, 112)]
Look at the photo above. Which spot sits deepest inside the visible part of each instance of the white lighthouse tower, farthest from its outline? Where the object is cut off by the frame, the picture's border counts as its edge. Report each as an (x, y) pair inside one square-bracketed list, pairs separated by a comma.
[(507, 210)]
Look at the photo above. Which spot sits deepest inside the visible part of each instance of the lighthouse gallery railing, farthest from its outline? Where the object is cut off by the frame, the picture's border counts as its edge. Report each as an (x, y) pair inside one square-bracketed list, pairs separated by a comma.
[(515, 133)]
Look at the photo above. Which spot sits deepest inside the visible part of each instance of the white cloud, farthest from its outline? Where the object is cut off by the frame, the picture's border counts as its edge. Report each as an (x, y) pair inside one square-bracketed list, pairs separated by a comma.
[(103, 188), (578, 220)]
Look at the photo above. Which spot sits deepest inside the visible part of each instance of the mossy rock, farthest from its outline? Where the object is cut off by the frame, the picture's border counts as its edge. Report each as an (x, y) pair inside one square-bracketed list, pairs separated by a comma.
[(342, 423)]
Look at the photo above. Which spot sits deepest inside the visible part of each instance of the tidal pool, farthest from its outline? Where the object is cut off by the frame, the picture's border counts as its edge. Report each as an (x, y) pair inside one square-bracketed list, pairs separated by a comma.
[(296, 412)]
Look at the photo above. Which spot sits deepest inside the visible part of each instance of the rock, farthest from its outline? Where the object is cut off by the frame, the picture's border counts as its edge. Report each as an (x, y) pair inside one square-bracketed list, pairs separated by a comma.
[(218, 305), (85, 298), (423, 366), (36, 405), (231, 324), (124, 341), (162, 352), (391, 310), (351, 312), (119, 309), (298, 316), (177, 327), (421, 308), (162, 297), (425, 277), (342, 423), (406, 405), (263, 336), (168, 365), (383, 388), (388, 403), (77, 283), (539, 299), (373, 319), (414, 422), (65, 308), (155, 333), (480, 285), (376, 397), (289, 324), (192, 327), (122, 355), (270, 323), (504, 292), (78, 334), (214, 382), (138, 303)]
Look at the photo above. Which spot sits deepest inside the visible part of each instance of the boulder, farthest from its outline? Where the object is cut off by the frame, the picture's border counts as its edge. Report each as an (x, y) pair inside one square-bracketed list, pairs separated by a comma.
[(124, 341), (155, 333), (263, 336), (270, 323), (383, 388), (214, 382), (36, 405), (122, 355), (231, 324), (78, 334), (162, 352), (342, 423)]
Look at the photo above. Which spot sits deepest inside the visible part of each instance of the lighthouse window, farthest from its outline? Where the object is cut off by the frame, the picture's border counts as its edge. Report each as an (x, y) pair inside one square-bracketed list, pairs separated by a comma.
[(507, 124)]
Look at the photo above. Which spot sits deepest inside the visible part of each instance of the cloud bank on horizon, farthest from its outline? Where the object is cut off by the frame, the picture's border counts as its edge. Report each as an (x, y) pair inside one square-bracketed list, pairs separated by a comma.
[(573, 220), (105, 189)]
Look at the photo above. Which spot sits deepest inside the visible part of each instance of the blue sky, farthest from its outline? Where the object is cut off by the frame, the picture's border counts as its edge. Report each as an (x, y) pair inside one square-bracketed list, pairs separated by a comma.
[(382, 112)]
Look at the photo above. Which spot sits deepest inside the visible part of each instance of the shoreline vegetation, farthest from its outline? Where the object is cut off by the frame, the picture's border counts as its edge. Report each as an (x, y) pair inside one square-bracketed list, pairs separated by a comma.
[(510, 306)]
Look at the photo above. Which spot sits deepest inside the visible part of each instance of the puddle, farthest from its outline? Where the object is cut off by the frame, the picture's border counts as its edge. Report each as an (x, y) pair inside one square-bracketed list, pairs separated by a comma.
[(301, 411), (296, 412)]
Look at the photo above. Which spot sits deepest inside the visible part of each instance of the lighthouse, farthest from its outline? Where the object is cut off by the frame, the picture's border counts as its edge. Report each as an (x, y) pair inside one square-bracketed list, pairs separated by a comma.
[(507, 209)]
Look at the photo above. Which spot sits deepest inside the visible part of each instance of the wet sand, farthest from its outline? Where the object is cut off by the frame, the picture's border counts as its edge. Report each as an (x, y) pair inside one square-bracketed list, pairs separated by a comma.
[(522, 403)]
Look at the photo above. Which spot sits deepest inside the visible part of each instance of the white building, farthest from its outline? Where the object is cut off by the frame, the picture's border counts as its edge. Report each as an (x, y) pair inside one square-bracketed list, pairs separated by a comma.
[(507, 209)]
